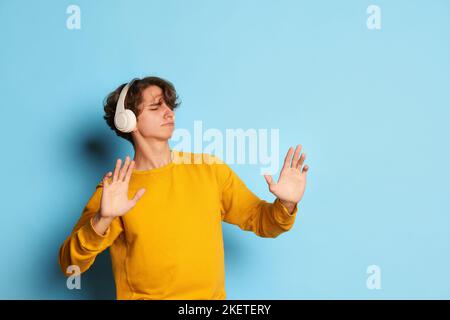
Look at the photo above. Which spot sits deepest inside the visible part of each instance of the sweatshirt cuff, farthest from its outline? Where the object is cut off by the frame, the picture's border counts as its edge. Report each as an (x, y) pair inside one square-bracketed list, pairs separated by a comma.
[(89, 238), (285, 212)]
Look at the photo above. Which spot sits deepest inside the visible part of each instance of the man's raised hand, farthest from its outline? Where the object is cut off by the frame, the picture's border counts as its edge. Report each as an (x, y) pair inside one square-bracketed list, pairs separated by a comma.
[(292, 181), (115, 200)]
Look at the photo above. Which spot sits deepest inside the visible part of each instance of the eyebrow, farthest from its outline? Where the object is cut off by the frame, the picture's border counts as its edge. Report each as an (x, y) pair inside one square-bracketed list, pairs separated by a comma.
[(155, 103)]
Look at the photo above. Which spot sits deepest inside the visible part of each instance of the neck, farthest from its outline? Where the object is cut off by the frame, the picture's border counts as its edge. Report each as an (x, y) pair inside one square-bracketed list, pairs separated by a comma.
[(151, 155)]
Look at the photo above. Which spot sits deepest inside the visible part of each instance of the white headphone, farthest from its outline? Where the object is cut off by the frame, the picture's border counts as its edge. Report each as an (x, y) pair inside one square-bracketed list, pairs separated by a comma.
[(124, 119)]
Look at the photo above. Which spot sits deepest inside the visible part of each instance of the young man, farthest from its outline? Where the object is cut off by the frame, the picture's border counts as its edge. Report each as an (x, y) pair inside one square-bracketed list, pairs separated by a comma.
[(166, 242)]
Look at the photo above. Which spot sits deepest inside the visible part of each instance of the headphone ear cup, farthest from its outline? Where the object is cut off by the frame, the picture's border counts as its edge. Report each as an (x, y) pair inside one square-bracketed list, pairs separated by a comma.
[(120, 121), (131, 120), (125, 121)]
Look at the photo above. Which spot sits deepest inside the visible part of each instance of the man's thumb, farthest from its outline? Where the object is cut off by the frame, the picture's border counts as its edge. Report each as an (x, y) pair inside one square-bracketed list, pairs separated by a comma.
[(269, 179), (138, 195)]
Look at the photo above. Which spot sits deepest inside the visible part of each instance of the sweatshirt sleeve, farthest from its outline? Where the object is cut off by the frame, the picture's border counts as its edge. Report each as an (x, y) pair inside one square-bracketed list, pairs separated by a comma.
[(240, 206), (83, 244)]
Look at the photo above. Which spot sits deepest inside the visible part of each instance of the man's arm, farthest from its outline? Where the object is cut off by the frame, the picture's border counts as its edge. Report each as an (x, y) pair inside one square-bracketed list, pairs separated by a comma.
[(242, 207), (100, 224), (89, 237)]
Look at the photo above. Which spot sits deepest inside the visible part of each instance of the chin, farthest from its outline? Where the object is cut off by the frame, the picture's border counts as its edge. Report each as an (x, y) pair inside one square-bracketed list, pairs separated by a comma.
[(165, 137)]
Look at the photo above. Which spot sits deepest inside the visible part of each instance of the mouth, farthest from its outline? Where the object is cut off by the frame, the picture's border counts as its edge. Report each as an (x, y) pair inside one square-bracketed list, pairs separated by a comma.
[(168, 124)]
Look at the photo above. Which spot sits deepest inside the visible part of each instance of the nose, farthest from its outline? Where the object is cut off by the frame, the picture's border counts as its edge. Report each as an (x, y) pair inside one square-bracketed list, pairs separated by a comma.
[(169, 114)]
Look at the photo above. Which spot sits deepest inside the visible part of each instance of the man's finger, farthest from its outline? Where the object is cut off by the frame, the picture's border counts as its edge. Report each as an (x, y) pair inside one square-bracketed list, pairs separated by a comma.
[(137, 196), (305, 169), (296, 156), (129, 171), (269, 179), (300, 161), (123, 171), (105, 178), (116, 170), (287, 159)]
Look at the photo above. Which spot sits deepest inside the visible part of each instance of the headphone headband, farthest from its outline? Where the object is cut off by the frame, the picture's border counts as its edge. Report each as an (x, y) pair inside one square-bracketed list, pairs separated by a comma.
[(123, 93)]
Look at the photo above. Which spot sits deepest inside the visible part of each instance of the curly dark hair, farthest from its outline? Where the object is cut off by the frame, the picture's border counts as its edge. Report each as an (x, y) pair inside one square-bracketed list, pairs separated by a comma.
[(134, 98)]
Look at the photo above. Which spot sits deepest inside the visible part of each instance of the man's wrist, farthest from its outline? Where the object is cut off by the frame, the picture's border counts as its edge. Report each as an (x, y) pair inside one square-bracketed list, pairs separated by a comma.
[(98, 217), (290, 206), (101, 224)]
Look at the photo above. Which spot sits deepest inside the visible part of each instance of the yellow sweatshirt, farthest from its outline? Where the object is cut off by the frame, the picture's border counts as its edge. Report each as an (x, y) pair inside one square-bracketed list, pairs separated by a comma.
[(170, 245)]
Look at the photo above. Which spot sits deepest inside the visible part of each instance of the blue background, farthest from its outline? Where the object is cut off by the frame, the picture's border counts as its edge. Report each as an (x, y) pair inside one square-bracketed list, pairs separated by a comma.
[(370, 107)]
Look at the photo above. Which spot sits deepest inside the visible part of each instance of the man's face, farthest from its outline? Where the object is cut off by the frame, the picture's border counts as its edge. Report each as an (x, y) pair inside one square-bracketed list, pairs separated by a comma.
[(156, 119)]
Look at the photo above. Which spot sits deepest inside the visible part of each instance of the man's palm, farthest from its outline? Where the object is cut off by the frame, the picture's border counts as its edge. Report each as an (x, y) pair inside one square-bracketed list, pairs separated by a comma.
[(115, 200), (292, 181)]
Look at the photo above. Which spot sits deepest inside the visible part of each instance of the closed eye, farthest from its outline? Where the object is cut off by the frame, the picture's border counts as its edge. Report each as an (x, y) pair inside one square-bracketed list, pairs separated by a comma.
[(155, 104)]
